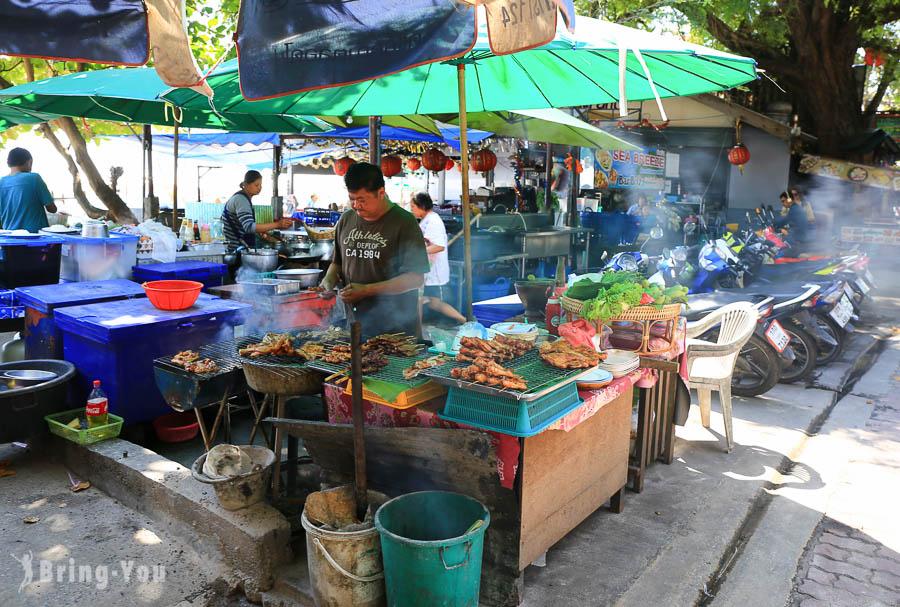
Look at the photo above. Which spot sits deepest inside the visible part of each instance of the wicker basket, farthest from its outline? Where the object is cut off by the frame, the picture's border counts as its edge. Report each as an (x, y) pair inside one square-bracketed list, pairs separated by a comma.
[(647, 316), (319, 233)]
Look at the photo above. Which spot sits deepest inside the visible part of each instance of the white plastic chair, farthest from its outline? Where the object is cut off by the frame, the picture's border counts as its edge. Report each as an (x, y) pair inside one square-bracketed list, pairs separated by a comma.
[(710, 365)]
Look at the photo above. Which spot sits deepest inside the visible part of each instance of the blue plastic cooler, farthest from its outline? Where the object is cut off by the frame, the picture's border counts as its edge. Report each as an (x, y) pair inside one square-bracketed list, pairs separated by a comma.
[(30, 260), (209, 273), (42, 338), (117, 341)]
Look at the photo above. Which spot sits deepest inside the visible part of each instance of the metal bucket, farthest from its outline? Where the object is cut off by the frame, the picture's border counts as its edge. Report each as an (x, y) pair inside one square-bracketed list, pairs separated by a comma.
[(244, 490)]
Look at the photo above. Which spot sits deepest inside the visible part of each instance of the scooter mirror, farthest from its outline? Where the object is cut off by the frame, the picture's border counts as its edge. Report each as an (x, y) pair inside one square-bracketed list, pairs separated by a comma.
[(666, 252), (656, 232)]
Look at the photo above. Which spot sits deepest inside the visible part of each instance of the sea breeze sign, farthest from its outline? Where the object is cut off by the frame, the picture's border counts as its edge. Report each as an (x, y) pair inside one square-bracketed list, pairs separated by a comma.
[(877, 177), (644, 169), (287, 47), (870, 235)]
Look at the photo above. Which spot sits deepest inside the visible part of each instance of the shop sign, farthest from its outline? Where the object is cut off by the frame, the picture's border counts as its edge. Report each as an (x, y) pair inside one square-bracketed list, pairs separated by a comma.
[(870, 235), (877, 177), (642, 169)]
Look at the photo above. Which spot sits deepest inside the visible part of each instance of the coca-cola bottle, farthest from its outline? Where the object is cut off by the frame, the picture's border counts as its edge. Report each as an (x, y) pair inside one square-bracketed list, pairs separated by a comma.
[(97, 409)]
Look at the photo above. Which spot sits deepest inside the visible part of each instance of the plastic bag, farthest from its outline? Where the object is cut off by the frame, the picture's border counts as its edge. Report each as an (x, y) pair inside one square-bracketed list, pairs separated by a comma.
[(579, 332), (165, 244)]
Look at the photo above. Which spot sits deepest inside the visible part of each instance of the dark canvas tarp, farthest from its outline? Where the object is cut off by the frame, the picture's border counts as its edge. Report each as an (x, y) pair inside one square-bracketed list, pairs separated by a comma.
[(112, 31), (289, 47)]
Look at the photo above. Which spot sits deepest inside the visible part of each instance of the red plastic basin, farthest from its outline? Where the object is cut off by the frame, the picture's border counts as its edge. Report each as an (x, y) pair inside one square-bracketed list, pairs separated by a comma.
[(176, 427), (173, 294)]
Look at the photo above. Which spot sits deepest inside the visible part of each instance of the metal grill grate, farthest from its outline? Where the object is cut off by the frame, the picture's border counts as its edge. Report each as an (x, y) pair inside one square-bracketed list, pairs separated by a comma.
[(392, 373), (538, 376), (224, 353)]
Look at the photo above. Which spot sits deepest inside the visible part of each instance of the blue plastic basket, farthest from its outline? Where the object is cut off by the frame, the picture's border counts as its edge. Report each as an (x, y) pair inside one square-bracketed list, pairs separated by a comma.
[(508, 415), (492, 290)]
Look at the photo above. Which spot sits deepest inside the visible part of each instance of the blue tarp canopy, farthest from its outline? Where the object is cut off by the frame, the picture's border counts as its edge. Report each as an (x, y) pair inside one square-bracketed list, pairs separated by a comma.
[(254, 149)]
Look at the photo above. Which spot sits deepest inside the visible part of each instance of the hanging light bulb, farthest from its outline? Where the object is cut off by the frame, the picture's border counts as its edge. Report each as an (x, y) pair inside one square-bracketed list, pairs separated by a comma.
[(349, 119)]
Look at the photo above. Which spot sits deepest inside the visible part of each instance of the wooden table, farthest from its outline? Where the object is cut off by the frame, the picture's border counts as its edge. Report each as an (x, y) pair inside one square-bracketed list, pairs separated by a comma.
[(562, 476)]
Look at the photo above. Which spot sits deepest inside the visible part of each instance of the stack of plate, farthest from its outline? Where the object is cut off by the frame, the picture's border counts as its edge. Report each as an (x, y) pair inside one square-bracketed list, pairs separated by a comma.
[(517, 330), (620, 362)]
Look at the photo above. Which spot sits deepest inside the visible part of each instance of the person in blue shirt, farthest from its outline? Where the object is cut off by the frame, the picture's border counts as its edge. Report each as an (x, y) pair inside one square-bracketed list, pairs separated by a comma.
[(796, 220), (24, 195)]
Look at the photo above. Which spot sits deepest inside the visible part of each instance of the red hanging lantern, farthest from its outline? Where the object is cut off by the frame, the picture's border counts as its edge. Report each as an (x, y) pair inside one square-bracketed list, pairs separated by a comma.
[(739, 155), (413, 164), (390, 165), (434, 160), (342, 164), (483, 161), (450, 164)]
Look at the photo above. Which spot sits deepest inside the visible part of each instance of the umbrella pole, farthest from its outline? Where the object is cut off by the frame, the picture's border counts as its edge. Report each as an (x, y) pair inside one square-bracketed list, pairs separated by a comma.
[(464, 164), (374, 140), (175, 183), (359, 443), (276, 171)]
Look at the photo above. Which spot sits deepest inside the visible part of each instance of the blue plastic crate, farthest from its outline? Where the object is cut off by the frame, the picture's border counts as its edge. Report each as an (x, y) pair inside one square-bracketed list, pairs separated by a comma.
[(209, 273), (508, 415), (42, 338), (117, 341)]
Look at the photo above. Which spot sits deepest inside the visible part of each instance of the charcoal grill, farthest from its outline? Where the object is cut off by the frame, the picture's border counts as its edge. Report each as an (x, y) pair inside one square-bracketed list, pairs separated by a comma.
[(186, 391), (392, 373), (540, 377)]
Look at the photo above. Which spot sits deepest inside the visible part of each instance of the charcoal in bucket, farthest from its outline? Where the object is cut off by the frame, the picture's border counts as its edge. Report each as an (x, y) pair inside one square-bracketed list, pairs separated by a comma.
[(431, 544)]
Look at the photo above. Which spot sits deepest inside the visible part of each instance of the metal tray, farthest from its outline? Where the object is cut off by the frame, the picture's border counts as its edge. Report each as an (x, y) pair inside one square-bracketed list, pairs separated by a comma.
[(271, 286), (540, 377)]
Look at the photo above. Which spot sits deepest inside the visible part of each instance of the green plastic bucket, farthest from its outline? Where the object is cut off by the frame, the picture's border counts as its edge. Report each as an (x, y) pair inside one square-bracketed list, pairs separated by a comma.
[(429, 558)]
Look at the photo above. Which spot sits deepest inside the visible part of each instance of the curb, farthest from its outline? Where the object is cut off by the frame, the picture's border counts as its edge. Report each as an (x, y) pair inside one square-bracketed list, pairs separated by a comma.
[(251, 542)]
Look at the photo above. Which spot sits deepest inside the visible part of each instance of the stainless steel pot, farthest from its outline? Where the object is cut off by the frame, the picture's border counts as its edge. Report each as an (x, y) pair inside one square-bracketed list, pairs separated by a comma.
[(95, 229), (322, 247), (306, 278), (260, 260)]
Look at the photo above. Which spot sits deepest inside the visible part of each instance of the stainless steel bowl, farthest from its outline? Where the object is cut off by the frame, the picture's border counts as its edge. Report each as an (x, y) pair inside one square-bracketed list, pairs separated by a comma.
[(95, 229), (260, 260), (30, 375), (306, 278)]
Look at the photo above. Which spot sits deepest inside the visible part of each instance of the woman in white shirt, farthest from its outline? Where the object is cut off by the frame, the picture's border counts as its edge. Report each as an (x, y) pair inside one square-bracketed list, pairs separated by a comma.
[(435, 236)]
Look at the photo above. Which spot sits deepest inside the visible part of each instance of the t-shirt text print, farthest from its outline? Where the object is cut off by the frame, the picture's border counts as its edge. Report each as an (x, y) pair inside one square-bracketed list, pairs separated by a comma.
[(364, 244)]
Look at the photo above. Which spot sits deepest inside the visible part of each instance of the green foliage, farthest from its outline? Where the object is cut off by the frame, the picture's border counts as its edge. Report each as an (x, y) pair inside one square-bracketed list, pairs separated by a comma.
[(618, 291)]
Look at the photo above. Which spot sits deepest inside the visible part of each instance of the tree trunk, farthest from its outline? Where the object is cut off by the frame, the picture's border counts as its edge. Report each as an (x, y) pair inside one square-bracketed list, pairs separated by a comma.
[(80, 197), (117, 207)]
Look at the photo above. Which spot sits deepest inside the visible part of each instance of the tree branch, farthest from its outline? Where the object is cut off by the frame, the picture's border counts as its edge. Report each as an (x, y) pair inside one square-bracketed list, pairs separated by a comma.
[(80, 197), (887, 76), (768, 56)]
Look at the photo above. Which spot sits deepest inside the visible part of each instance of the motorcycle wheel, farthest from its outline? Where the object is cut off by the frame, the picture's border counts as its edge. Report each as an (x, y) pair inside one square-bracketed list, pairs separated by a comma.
[(757, 368), (805, 352), (827, 352)]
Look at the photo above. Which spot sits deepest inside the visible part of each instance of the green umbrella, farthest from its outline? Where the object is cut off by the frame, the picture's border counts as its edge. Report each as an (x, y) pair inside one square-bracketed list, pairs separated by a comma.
[(132, 95), (573, 69)]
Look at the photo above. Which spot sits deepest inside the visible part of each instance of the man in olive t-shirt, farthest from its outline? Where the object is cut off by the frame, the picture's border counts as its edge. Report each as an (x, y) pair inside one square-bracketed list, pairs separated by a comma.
[(379, 255)]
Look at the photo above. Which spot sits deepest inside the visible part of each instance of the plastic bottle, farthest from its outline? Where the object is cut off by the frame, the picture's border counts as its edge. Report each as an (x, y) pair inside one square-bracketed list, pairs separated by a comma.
[(183, 232), (205, 235), (97, 409)]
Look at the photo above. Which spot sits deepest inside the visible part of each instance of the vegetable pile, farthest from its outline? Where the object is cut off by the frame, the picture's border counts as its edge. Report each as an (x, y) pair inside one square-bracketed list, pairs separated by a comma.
[(618, 291)]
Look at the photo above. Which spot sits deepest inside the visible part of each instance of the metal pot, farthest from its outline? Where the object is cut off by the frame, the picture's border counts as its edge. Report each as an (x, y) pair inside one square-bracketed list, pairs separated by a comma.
[(306, 278), (322, 247), (95, 229), (260, 260)]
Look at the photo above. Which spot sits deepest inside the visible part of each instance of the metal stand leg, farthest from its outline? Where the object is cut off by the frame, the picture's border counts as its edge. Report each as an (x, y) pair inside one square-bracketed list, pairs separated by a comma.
[(258, 415), (219, 414), (276, 476), (293, 448), (202, 423)]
